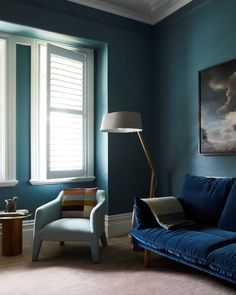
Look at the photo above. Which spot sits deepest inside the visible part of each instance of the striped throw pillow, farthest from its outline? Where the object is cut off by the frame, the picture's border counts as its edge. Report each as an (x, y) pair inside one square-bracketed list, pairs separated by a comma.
[(78, 202)]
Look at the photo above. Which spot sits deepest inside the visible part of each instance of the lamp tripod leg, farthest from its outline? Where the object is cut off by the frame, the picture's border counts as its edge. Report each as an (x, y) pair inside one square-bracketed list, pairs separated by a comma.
[(151, 193)]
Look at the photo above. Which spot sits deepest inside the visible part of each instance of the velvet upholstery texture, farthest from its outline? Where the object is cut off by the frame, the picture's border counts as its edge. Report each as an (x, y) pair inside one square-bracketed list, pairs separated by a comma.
[(143, 217), (203, 198), (223, 260), (209, 268), (228, 218), (210, 244), (191, 245)]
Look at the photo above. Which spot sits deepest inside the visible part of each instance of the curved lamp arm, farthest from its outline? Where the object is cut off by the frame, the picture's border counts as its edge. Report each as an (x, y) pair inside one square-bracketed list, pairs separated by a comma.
[(150, 162)]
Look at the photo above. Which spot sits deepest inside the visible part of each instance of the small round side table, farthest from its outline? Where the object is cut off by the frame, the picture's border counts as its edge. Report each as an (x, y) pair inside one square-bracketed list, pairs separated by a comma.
[(12, 234)]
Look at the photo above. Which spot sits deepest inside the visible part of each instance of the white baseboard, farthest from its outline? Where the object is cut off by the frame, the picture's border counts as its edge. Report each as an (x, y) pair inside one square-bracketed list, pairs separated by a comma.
[(115, 225), (28, 231), (118, 224)]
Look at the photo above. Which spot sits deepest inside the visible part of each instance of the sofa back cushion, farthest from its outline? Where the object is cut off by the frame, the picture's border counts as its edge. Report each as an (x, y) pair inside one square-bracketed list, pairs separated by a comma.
[(203, 198), (228, 217)]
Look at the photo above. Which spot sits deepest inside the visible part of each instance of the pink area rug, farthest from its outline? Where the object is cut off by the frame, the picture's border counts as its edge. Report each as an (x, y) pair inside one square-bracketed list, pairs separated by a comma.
[(68, 270)]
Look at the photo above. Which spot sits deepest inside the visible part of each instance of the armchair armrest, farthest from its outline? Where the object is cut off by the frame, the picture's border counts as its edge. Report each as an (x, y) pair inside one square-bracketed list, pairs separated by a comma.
[(47, 213), (97, 214)]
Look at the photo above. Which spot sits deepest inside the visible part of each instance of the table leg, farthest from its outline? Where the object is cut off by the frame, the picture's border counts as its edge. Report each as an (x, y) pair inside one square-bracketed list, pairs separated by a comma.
[(11, 237)]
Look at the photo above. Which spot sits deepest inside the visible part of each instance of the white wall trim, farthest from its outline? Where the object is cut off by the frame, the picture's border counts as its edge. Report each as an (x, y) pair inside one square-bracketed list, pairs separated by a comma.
[(28, 226), (8, 183), (118, 224), (62, 180)]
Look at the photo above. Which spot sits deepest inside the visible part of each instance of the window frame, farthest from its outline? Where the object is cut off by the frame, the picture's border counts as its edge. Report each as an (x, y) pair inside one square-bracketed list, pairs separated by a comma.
[(8, 122), (37, 176)]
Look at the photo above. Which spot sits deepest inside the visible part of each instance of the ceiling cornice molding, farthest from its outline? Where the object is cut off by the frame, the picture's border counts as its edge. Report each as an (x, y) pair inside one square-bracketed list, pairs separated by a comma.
[(116, 9), (155, 10), (159, 12)]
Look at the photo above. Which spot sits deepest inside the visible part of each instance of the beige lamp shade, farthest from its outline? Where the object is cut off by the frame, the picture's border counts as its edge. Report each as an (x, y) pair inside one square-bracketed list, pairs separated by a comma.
[(121, 122)]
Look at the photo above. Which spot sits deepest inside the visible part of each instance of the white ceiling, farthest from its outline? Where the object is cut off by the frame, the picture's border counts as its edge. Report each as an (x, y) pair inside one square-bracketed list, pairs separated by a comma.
[(147, 11)]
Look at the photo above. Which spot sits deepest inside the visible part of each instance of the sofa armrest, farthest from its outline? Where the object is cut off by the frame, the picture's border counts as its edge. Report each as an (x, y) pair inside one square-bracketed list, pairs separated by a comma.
[(48, 213)]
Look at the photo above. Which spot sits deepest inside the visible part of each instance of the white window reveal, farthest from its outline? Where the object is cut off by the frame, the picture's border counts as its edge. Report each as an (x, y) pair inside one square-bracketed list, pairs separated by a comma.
[(65, 121), (7, 112)]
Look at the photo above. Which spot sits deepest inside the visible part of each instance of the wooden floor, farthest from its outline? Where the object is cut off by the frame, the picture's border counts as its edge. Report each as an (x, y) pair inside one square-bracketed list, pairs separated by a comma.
[(69, 270)]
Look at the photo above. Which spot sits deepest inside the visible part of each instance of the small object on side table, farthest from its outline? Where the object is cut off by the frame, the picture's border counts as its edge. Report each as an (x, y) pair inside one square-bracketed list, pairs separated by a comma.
[(11, 204)]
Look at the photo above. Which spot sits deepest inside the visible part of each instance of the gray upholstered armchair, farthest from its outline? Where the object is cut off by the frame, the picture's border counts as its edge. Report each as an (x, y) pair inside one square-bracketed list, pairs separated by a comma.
[(51, 227)]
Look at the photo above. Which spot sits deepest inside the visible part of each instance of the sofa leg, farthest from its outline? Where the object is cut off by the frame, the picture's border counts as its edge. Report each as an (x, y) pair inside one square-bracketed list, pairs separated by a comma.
[(147, 258)]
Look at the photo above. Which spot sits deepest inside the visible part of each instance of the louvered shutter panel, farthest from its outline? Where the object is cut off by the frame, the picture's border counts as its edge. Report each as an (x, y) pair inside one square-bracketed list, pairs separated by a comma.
[(66, 115)]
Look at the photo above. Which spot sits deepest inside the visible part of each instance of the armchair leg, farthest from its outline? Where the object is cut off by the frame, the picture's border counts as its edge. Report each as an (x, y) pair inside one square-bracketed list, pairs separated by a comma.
[(95, 251), (36, 249), (103, 239)]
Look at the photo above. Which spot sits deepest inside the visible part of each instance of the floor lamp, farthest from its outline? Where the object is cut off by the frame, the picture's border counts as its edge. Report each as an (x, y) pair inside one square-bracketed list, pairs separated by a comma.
[(127, 122)]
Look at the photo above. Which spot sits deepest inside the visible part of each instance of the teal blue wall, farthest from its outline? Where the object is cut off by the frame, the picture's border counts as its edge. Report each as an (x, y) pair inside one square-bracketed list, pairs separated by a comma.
[(149, 69), (123, 72), (197, 37)]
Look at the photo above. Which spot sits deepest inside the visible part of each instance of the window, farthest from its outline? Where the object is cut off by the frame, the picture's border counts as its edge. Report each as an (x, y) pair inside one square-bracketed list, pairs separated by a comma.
[(62, 115), (7, 112)]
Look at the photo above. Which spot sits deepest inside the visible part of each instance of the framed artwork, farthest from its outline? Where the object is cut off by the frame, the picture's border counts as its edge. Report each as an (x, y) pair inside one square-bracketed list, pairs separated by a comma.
[(217, 114)]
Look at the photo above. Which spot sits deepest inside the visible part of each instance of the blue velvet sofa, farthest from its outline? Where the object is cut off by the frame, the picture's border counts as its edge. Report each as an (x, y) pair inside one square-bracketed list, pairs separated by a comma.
[(209, 244)]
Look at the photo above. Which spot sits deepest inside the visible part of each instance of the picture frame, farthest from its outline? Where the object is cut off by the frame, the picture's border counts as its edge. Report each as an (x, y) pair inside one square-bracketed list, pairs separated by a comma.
[(217, 109)]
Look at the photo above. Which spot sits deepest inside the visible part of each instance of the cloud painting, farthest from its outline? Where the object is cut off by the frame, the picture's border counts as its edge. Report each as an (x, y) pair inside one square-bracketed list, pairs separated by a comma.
[(218, 109)]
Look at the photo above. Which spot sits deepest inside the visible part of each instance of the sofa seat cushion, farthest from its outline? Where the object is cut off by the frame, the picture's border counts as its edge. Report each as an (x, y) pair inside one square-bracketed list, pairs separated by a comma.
[(151, 237), (228, 235), (192, 245), (223, 260)]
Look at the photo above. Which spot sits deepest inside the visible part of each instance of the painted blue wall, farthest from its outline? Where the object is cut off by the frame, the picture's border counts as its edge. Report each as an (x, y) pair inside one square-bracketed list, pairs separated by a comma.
[(123, 73), (197, 37), (152, 70)]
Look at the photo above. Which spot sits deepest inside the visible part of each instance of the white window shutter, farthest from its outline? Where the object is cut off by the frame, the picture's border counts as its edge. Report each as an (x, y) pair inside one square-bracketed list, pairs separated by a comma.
[(62, 114), (66, 113)]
